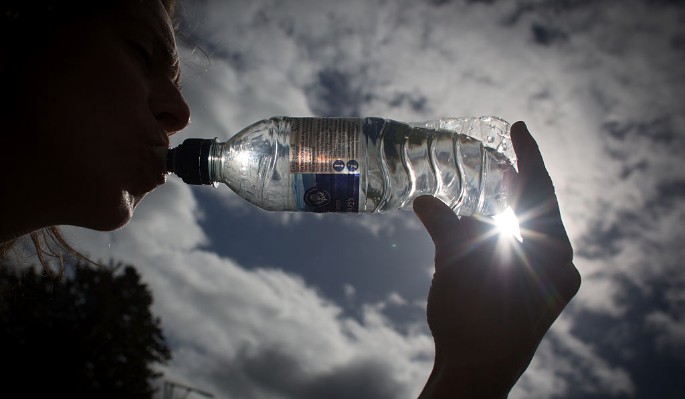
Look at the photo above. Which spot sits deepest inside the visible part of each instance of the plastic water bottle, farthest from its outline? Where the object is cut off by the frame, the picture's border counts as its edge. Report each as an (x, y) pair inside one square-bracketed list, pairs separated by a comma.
[(359, 165)]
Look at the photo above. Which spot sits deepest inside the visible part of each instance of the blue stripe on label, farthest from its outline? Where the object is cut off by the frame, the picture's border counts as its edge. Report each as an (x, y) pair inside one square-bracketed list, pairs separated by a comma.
[(327, 192)]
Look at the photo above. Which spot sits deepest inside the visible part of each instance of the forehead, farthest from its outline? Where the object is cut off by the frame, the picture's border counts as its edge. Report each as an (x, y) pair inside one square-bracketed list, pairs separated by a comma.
[(149, 19), (149, 14)]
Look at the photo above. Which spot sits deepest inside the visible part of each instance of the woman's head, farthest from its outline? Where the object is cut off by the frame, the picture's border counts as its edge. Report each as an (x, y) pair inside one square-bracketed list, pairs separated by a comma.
[(91, 89), (90, 103)]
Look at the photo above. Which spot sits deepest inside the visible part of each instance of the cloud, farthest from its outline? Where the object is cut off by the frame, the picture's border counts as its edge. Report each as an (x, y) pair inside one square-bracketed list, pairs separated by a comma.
[(256, 333), (623, 200), (670, 333), (266, 334), (566, 366)]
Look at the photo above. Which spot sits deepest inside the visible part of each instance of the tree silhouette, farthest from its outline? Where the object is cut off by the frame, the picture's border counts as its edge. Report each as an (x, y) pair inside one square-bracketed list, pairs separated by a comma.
[(89, 333)]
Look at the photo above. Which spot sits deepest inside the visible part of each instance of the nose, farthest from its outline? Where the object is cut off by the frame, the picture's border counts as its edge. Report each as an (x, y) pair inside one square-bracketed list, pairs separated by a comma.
[(170, 108)]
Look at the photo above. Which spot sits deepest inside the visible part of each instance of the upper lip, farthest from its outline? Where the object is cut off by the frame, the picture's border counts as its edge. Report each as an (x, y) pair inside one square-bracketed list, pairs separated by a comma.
[(160, 140), (158, 143)]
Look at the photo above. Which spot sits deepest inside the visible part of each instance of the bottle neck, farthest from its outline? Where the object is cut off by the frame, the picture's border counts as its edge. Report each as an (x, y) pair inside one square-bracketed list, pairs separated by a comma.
[(193, 161), (214, 162)]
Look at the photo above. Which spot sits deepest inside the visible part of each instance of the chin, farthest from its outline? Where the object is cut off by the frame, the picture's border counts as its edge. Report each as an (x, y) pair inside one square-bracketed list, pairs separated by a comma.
[(113, 215)]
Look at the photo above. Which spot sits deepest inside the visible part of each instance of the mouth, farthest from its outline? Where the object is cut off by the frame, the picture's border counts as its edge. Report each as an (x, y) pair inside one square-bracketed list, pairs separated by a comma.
[(158, 162), (151, 170), (161, 152)]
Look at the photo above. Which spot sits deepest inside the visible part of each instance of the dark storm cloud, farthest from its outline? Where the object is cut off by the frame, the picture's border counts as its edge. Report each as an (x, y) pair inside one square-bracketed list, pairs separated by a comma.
[(337, 93), (271, 372), (548, 35), (346, 93), (660, 130)]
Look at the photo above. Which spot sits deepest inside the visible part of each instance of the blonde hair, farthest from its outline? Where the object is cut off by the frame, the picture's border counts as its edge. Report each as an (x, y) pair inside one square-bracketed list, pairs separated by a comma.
[(51, 249)]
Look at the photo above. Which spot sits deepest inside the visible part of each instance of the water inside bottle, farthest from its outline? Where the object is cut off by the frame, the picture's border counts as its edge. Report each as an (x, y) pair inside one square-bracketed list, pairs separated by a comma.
[(438, 158)]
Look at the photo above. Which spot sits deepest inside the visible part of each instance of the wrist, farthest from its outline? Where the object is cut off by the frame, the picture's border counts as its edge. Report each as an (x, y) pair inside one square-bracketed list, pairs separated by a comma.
[(485, 381)]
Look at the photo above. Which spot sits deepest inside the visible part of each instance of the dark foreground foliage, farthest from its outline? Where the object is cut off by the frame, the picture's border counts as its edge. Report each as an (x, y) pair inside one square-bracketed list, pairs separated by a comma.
[(89, 333)]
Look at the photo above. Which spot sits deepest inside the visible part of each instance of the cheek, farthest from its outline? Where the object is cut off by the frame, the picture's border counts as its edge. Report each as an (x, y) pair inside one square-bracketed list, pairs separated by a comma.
[(95, 152), (106, 129)]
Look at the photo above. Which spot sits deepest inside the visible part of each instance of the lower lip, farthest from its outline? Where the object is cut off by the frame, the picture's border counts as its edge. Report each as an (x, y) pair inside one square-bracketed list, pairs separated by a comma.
[(153, 173)]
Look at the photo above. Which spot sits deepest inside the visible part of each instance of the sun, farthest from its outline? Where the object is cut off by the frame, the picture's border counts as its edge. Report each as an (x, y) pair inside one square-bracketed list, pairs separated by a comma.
[(507, 224)]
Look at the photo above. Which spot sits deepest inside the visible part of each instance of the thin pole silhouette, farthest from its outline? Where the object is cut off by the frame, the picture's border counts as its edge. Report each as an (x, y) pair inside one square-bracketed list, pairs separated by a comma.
[(169, 386)]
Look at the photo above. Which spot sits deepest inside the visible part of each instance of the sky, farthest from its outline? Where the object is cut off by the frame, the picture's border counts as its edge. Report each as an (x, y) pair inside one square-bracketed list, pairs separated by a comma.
[(259, 304)]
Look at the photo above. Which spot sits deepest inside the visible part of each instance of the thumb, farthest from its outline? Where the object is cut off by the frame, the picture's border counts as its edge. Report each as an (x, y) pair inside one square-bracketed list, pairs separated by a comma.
[(438, 219), (453, 237)]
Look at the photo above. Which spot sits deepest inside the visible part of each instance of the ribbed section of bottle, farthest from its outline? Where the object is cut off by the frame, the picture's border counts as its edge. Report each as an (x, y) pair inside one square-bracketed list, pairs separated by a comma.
[(465, 162)]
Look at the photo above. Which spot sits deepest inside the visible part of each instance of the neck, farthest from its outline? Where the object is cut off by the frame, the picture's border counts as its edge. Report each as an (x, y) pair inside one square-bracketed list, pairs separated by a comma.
[(20, 210)]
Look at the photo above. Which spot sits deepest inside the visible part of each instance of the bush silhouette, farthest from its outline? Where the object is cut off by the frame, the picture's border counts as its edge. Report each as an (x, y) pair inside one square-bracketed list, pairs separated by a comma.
[(88, 333)]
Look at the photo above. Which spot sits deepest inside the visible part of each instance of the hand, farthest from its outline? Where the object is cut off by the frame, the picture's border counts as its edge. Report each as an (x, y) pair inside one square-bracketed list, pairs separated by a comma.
[(492, 300)]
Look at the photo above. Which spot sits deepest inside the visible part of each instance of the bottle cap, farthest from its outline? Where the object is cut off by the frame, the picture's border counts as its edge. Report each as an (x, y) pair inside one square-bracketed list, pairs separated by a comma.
[(190, 161)]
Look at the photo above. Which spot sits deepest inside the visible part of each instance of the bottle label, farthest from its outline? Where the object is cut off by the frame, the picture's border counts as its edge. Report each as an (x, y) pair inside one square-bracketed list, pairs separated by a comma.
[(324, 161)]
